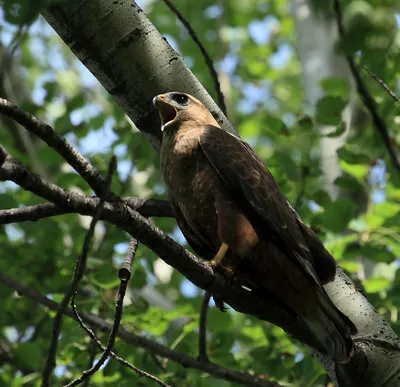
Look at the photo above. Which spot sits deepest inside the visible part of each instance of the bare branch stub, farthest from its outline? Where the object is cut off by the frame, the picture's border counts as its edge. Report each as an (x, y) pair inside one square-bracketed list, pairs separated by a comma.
[(209, 62), (217, 371), (368, 100), (78, 274), (126, 270)]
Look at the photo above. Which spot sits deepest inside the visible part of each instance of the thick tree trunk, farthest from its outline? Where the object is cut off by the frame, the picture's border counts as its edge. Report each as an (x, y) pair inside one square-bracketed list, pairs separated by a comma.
[(126, 53), (315, 38)]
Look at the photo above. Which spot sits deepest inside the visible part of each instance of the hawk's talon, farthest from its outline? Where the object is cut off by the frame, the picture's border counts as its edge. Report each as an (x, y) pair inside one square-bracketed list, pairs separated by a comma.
[(220, 304)]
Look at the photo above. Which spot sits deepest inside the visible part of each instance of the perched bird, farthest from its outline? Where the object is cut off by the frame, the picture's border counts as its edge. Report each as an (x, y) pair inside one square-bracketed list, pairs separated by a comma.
[(233, 214)]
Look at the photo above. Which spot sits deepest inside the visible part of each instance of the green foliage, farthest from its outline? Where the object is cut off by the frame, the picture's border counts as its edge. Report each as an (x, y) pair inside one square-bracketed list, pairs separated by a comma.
[(252, 43)]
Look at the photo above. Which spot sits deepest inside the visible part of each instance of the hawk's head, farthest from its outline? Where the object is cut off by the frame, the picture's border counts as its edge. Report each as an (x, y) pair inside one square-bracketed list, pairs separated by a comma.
[(177, 108)]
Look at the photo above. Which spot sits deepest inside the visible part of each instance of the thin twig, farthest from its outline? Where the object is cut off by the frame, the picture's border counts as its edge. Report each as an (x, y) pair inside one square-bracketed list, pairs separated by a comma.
[(383, 84), (369, 102), (124, 275), (203, 327), (113, 354), (92, 358), (78, 274), (209, 62), (150, 346)]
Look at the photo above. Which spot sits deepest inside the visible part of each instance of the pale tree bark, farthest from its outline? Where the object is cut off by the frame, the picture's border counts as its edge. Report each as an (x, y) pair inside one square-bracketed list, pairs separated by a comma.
[(126, 53), (316, 35)]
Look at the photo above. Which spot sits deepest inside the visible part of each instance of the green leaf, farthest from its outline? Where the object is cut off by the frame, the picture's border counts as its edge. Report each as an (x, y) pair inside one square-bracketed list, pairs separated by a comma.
[(104, 277), (337, 245), (349, 183), (191, 326), (181, 311), (329, 110), (337, 215), (218, 321), (305, 122), (372, 251), (374, 285), (335, 86), (139, 278), (340, 129), (358, 171), (352, 154), (28, 354)]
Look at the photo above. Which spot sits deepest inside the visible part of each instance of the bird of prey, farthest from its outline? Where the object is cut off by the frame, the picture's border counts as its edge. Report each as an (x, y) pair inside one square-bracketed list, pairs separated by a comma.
[(233, 214)]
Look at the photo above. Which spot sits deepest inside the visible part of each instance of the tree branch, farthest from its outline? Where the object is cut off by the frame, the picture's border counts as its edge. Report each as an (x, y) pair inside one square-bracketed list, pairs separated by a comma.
[(78, 274), (53, 140), (368, 100), (145, 207), (207, 58), (124, 275), (93, 336), (259, 304), (142, 342)]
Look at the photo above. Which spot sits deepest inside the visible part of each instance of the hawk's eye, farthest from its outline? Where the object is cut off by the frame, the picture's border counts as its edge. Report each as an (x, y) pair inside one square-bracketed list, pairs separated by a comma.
[(182, 99)]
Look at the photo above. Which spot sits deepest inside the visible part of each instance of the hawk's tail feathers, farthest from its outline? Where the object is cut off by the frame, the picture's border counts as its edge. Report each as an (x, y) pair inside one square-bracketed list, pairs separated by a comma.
[(333, 329)]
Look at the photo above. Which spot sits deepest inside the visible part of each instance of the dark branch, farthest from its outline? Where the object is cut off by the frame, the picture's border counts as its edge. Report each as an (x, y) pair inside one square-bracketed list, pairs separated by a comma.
[(140, 341), (383, 84), (145, 207), (150, 207), (125, 363), (262, 305), (125, 271), (92, 357), (368, 100), (78, 274), (53, 140), (209, 62), (124, 275), (203, 327)]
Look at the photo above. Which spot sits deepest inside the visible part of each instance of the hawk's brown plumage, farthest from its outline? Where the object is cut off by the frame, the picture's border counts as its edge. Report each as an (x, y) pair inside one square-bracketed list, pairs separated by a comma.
[(222, 195)]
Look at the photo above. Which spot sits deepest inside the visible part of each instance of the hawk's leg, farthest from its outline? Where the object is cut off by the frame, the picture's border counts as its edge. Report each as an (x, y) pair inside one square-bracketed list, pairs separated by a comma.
[(216, 261), (223, 264)]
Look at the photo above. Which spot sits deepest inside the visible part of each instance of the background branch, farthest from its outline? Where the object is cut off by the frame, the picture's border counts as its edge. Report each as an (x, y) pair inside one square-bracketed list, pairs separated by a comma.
[(53, 140), (263, 306), (124, 275), (366, 97), (207, 58), (78, 274), (145, 207), (140, 341)]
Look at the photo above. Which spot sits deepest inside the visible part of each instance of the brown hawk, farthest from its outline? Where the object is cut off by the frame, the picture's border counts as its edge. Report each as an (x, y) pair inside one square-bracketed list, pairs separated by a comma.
[(233, 214)]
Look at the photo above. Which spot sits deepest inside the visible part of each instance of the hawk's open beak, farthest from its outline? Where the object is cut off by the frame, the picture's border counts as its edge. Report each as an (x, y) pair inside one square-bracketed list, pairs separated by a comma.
[(167, 112)]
